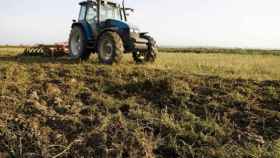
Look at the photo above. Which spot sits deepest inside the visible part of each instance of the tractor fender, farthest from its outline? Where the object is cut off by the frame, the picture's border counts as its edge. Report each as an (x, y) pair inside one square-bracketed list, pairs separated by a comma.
[(87, 30), (150, 39)]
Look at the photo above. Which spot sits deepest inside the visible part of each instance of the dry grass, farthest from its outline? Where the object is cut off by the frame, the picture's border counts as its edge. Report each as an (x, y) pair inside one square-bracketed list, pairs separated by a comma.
[(228, 65), (184, 105), (255, 67)]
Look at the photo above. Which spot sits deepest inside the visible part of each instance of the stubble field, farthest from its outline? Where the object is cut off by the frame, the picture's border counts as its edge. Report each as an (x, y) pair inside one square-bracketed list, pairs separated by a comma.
[(191, 105)]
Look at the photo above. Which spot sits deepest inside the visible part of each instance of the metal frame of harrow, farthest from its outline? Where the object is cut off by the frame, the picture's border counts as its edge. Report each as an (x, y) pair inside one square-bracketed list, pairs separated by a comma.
[(46, 50)]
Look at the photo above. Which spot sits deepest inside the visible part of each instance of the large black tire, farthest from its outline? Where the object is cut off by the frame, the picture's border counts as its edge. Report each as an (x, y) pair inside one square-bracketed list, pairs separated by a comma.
[(149, 55), (78, 44), (110, 48)]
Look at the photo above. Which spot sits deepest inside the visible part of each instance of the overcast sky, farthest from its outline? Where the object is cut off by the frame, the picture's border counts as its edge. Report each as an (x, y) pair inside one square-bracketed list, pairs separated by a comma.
[(221, 23)]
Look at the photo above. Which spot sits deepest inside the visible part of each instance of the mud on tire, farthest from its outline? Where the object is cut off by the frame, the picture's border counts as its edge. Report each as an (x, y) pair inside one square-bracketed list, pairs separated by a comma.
[(78, 44), (110, 48)]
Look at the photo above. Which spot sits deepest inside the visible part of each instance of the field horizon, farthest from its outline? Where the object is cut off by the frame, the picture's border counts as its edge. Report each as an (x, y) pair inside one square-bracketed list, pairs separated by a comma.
[(162, 47)]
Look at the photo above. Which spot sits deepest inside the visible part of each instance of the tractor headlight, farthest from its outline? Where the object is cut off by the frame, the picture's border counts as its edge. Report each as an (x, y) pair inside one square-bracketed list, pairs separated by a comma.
[(134, 30)]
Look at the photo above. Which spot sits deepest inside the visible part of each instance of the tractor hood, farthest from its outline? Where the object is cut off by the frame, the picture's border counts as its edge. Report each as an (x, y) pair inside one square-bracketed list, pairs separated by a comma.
[(126, 30), (122, 25)]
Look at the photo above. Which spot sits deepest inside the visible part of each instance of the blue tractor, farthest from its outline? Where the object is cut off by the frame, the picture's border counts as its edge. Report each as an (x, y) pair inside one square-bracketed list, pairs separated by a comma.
[(102, 27)]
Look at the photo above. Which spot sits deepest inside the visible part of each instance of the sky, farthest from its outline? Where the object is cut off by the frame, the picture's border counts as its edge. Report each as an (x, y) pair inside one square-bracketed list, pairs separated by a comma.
[(185, 23)]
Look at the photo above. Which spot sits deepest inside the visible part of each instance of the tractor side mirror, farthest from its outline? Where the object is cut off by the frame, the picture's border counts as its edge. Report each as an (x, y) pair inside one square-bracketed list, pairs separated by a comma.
[(129, 9)]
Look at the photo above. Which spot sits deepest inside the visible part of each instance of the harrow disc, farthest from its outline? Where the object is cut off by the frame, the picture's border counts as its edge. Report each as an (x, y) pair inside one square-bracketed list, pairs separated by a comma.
[(34, 51), (46, 51)]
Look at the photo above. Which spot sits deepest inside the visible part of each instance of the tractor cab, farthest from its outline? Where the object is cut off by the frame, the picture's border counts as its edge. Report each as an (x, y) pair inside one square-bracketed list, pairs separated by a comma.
[(102, 11), (102, 27)]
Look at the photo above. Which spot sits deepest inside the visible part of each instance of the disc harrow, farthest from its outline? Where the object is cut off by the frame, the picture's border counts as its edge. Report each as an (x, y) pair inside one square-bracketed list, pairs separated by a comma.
[(56, 50)]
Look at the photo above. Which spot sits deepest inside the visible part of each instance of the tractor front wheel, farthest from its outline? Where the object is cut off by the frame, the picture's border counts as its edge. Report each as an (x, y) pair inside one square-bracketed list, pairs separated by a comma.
[(78, 44), (149, 55), (110, 48)]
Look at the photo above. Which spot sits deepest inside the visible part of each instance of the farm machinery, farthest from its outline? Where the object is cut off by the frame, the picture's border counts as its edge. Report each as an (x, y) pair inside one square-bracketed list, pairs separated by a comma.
[(55, 50), (102, 28)]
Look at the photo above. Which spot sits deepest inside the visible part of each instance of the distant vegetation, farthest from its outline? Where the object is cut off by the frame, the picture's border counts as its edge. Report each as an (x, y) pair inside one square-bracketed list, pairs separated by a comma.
[(219, 50), (13, 46)]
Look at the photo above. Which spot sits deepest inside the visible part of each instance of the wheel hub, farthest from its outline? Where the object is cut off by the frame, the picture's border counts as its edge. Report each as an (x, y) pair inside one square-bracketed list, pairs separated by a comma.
[(107, 50), (140, 55)]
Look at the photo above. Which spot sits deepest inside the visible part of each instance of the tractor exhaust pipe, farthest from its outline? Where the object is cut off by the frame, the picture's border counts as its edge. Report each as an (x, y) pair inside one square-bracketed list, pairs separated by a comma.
[(124, 11)]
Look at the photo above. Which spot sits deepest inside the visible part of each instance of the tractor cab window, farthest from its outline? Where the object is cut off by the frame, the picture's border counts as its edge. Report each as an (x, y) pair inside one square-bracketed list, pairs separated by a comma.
[(82, 13), (110, 12), (91, 16)]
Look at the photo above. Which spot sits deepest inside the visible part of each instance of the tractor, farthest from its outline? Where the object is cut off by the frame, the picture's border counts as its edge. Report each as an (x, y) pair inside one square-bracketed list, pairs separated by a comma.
[(103, 27)]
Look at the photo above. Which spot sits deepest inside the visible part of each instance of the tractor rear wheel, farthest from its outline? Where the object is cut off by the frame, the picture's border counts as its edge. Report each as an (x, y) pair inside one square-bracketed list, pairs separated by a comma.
[(110, 48), (78, 44), (149, 55)]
